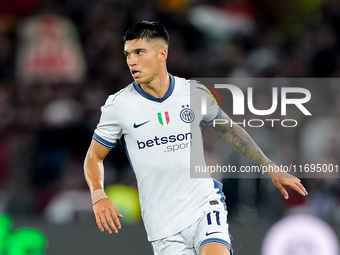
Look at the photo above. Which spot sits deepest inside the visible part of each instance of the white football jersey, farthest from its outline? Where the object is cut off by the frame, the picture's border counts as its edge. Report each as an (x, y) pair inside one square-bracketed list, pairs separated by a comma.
[(163, 139)]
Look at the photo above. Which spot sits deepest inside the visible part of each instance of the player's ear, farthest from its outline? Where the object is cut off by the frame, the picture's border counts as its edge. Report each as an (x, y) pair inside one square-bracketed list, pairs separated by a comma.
[(163, 54)]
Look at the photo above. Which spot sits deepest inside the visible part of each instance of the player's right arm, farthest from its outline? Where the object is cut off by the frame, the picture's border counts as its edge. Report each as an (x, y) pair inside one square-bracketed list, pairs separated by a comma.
[(107, 216)]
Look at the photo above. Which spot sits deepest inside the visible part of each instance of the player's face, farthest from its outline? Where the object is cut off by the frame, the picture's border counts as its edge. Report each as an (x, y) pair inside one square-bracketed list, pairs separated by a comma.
[(145, 58)]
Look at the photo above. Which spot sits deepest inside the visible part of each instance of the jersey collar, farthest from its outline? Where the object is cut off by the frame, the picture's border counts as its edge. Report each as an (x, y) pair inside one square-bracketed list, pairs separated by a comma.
[(155, 99)]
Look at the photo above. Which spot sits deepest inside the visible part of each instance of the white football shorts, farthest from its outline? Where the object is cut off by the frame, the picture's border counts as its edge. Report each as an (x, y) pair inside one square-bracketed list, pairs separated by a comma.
[(212, 227)]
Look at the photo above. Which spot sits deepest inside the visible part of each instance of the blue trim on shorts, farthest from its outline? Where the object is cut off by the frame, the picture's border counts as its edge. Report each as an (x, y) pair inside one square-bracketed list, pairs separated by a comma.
[(217, 240), (218, 185), (231, 240), (102, 141)]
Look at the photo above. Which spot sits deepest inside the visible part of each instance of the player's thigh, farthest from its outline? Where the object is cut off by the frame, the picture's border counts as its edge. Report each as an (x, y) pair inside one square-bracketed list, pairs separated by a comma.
[(214, 249), (172, 245), (212, 233)]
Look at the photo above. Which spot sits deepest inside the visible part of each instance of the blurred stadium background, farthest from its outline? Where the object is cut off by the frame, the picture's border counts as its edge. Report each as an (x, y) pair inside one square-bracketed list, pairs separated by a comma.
[(60, 59)]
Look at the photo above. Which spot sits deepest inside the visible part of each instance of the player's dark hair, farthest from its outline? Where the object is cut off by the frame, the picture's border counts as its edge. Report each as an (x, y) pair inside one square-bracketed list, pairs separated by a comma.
[(147, 30)]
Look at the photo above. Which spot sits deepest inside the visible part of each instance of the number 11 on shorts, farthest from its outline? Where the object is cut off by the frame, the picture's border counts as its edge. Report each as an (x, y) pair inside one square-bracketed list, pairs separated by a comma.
[(217, 214)]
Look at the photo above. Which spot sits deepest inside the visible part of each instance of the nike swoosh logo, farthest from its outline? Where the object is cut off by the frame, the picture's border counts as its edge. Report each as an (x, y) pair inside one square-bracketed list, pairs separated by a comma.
[(138, 125), (208, 234)]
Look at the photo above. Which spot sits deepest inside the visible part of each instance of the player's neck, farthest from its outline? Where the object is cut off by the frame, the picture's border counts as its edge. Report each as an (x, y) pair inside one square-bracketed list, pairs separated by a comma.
[(158, 86)]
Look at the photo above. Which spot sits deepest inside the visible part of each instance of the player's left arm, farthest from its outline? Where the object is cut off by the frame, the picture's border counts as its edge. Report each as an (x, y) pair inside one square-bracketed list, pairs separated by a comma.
[(237, 137)]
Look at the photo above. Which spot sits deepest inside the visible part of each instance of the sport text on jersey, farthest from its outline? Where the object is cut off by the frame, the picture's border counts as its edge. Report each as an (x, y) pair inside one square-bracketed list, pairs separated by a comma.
[(177, 142)]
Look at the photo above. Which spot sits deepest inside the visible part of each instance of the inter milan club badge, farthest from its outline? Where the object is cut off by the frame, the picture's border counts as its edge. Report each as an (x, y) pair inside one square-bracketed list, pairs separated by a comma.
[(187, 115)]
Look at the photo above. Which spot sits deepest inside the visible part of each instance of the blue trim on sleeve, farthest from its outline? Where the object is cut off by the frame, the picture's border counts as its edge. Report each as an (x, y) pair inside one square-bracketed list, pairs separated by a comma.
[(218, 186), (216, 240), (102, 141), (155, 99)]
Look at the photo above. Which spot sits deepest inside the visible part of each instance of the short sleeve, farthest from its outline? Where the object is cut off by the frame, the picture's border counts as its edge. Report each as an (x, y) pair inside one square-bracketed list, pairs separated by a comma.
[(213, 111), (109, 128)]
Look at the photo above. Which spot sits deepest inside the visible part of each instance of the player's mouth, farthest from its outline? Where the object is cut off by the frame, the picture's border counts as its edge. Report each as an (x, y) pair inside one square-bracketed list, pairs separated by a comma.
[(135, 73)]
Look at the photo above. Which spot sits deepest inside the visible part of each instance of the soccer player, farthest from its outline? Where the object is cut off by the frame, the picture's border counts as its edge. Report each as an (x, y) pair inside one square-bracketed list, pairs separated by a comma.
[(160, 122)]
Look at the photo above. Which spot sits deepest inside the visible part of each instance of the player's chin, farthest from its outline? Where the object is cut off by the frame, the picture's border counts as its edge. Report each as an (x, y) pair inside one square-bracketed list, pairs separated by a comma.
[(137, 79)]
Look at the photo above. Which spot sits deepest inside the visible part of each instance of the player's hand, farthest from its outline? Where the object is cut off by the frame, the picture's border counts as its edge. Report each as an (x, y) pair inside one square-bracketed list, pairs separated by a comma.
[(283, 180), (107, 216)]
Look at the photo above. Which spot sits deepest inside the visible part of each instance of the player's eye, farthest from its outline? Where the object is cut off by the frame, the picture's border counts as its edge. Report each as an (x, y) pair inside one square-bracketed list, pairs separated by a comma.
[(139, 52)]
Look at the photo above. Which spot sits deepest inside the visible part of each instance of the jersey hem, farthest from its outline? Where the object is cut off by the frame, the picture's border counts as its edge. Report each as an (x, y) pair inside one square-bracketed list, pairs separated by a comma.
[(193, 219), (198, 213)]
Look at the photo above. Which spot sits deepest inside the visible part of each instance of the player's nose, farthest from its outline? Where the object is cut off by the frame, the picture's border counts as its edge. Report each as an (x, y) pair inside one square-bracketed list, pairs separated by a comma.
[(131, 60)]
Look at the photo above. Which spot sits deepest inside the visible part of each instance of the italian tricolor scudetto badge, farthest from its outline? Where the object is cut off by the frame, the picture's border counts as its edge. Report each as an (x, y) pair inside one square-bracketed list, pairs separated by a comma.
[(163, 118)]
